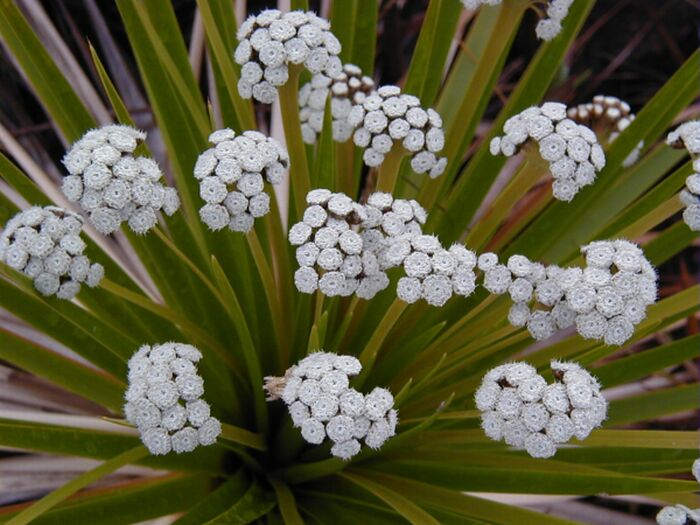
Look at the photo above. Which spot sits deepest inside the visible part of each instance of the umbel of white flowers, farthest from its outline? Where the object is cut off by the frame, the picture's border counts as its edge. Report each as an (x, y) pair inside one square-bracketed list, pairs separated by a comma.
[(547, 28), (687, 136), (113, 186), (322, 404), (608, 115), (604, 300), (677, 515), (389, 117), (331, 253), (347, 89), (270, 42), (519, 407), (243, 162), (45, 244), (164, 399), (572, 149)]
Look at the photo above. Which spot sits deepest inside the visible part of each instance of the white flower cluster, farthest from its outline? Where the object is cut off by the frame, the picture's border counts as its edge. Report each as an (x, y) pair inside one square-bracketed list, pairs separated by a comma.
[(322, 404), (520, 408), (347, 89), (677, 515), (432, 272), (604, 301), (547, 28), (164, 399), (572, 149), (45, 244), (388, 117), (610, 116), (245, 161), (331, 251), (113, 186), (271, 41), (688, 135)]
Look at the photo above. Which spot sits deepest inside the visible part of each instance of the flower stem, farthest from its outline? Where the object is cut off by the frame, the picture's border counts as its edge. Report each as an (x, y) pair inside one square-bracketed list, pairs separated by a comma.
[(389, 169), (529, 173), (300, 181)]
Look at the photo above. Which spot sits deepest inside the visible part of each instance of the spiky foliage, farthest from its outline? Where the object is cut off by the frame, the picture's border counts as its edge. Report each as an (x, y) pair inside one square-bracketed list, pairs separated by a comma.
[(232, 295)]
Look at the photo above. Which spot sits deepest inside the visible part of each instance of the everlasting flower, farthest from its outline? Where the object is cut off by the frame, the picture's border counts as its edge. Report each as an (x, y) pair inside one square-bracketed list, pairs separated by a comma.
[(111, 185), (164, 400), (331, 252), (272, 41), (388, 117), (687, 136), (322, 404), (347, 89), (45, 244), (519, 407), (604, 301), (572, 150), (231, 178), (608, 117), (677, 515)]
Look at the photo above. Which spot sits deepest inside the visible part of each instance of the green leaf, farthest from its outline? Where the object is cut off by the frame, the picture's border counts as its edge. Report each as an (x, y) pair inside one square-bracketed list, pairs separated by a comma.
[(51, 87), (462, 504), (286, 503), (71, 375), (409, 510), (65, 491), (216, 502), (132, 502), (255, 503), (654, 404), (648, 362), (354, 22), (67, 441)]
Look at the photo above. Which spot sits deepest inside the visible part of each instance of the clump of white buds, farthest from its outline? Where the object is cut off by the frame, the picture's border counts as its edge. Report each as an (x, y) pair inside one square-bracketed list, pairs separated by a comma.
[(572, 150), (242, 162), (677, 515), (608, 117), (389, 117), (271, 42), (605, 300), (164, 399), (45, 244), (331, 252), (322, 404), (547, 28), (520, 408), (347, 89), (113, 186), (687, 136)]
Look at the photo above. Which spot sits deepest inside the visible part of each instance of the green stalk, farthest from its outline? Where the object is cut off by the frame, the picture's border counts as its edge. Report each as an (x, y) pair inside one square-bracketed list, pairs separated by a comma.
[(476, 97), (299, 179), (526, 177), (389, 169), (64, 492)]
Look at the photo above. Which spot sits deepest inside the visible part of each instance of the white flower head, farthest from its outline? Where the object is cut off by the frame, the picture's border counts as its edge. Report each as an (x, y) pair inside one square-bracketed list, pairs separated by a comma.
[(232, 176), (519, 407), (332, 252), (387, 119), (111, 185), (349, 88), (572, 150), (323, 405), (45, 244), (271, 42), (687, 136), (163, 399), (547, 28)]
